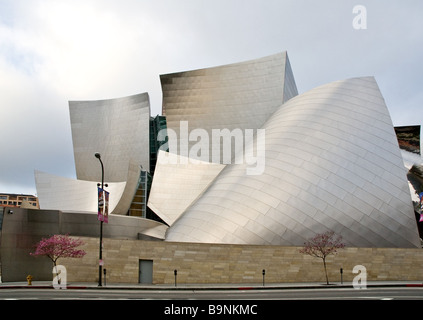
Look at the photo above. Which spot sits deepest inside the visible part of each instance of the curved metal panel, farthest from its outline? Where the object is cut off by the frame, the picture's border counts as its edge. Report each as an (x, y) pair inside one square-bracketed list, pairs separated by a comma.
[(59, 193), (117, 128), (176, 185), (230, 97), (332, 163)]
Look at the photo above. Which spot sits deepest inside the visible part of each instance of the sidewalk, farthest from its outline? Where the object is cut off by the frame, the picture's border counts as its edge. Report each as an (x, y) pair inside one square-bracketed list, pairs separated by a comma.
[(182, 286)]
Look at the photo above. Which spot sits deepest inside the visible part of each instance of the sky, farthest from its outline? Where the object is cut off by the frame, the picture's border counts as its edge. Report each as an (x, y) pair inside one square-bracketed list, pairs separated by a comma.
[(56, 51)]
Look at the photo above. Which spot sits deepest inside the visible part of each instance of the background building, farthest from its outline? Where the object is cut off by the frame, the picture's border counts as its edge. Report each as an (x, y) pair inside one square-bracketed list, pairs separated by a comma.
[(19, 200)]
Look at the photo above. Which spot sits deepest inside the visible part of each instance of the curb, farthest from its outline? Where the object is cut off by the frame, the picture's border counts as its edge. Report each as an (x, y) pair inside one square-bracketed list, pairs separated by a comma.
[(38, 287), (203, 288)]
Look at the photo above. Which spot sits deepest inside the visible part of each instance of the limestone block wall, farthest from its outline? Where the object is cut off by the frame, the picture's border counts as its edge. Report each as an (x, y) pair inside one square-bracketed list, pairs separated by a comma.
[(240, 264)]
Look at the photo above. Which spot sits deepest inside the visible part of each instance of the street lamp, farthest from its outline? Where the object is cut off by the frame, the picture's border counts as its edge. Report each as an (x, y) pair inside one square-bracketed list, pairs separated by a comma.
[(98, 156)]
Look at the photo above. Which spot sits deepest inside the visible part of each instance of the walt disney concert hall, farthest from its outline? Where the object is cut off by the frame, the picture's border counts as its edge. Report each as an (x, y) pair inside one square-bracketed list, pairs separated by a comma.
[(238, 156)]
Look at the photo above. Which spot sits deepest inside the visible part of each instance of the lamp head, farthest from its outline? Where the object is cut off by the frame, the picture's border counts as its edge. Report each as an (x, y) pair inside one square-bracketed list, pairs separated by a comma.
[(97, 155)]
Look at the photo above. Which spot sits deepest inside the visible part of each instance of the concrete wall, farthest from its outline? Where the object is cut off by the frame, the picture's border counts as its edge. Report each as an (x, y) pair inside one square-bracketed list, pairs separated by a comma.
[(214, 263), (20, 232), (23, 228), (195, 262)]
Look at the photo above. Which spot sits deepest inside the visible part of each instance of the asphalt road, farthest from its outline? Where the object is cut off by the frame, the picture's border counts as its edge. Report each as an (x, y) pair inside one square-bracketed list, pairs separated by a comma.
[(210, 304), (382, 293)]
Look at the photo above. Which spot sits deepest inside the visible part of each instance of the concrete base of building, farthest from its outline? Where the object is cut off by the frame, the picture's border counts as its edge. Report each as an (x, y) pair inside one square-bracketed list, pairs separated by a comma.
[(197, 263), (132, 261)]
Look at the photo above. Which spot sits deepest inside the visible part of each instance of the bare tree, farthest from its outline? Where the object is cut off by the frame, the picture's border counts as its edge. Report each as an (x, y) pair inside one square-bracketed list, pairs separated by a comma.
[(323, 245)]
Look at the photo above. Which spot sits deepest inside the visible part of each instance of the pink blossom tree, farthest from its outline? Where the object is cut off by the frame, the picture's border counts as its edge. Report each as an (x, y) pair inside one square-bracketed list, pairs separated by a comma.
[(59, 246), (323, 245)]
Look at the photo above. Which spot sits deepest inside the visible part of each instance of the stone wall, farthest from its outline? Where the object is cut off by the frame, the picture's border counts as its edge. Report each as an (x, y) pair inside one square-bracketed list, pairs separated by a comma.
[(240, 264)]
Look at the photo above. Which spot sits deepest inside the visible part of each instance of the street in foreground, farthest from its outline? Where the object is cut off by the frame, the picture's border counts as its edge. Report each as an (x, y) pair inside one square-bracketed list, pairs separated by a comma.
[(379, 293), (209, 304)]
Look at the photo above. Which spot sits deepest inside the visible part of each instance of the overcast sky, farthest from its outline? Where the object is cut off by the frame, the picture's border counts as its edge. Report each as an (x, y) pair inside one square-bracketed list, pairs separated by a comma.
[(53, 51)]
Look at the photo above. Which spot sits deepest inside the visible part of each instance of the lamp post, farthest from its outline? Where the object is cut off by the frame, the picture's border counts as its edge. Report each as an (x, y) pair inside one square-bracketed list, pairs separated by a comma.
[(98, 156)]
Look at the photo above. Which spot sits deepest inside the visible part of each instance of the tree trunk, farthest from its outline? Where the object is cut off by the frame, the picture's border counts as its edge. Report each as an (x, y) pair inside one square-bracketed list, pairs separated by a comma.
[(326, 272)]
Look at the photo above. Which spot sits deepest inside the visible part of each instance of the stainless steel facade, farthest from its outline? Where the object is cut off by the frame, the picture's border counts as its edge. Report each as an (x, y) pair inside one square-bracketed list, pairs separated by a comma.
[(58, 193), (331, 159), (332, 163), (177, 185), (116, 128), (234, 96), (119, 130)]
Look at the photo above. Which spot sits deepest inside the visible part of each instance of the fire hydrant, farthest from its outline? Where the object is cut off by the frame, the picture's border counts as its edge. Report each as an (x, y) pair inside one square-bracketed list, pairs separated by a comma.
[(29, 279)]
